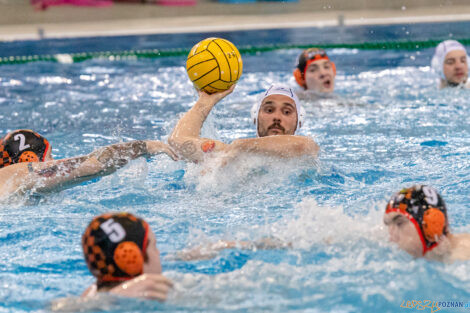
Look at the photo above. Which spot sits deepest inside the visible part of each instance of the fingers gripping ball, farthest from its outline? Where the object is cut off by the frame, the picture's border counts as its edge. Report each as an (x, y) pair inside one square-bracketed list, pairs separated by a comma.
[(434, 222), (28, 156), (128, 257), (214, 65)]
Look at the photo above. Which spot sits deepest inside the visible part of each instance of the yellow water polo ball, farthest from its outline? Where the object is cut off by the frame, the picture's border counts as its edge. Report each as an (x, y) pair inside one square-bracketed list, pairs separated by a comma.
[(214, 65)]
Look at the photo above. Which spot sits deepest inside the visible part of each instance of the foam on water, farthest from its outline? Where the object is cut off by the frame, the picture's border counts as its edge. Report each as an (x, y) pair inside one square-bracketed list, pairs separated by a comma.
[(330, 249), (387, 127)]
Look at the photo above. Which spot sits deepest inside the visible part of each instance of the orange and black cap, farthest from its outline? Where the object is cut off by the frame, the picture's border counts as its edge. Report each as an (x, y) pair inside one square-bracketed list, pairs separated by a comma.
[(23, 145), (311, 54), (114, 246), (426, 209), (307, 57)]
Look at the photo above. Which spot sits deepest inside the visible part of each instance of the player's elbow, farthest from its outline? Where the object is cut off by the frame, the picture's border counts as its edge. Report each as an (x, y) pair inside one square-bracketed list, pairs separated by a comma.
[(310, 147), (174, 141), (306, 146), (241, 145)]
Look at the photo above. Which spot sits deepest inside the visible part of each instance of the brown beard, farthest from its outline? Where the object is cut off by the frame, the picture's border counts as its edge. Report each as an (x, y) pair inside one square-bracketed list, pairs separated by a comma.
[(274, 125), (277, 126)]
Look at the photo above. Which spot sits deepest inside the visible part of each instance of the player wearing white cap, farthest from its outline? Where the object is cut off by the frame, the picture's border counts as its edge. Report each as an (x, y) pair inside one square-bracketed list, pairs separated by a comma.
[(277, 116), (450, 62)]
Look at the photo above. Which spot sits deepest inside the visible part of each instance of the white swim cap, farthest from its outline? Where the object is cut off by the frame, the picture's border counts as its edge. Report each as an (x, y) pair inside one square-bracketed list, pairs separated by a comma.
[(442, 49), (278, 89)]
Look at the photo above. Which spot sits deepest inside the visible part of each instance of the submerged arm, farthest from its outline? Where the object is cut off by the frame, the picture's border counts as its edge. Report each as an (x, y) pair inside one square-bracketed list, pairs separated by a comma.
[(209, 251), (185, 138)]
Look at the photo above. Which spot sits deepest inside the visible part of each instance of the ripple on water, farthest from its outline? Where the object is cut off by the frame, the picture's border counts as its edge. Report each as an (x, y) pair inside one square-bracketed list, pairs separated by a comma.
[(387, 127)]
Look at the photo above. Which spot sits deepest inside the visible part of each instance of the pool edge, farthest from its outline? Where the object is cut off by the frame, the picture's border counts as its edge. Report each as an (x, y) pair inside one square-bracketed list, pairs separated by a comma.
[(200, 24)]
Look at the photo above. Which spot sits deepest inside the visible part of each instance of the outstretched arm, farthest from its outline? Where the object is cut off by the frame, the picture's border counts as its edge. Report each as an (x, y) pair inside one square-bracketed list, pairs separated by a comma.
[(209, 251), (57, 173), (115, 156), (100, 162), (185, 138), (284, 146)]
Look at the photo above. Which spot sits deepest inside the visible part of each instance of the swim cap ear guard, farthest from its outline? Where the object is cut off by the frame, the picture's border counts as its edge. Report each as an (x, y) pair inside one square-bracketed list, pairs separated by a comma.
[(278, 89), (114, 246), (437, 62), (299, 78), (5, 158), (128, 257), (23, 145), (425, 208)]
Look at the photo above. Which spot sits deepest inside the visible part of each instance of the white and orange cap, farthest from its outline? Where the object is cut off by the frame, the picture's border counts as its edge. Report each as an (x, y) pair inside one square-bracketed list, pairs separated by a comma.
[(437, 62), (278, 89)]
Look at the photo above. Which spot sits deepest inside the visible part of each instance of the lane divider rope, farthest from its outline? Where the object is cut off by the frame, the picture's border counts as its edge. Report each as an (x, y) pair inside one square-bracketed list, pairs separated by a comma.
[(159, 53)]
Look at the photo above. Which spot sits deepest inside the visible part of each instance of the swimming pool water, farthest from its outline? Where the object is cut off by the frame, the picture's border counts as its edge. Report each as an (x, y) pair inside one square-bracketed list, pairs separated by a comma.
[(387, 127)]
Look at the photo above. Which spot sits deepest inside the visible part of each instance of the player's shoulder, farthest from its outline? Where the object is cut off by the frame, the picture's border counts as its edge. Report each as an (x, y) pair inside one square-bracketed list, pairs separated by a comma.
[(17, 168)]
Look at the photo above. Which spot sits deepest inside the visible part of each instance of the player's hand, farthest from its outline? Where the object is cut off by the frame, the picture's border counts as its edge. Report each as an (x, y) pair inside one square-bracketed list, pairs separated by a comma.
[(156, 147), (214, 97), (146, 286)]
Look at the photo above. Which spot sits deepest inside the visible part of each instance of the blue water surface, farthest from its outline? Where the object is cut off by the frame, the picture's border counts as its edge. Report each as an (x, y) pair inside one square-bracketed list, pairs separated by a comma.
[(387, 127)]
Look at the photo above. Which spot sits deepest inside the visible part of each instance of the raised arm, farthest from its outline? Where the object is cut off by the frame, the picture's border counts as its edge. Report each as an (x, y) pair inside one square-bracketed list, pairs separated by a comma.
[(185, 138), (284, 146)]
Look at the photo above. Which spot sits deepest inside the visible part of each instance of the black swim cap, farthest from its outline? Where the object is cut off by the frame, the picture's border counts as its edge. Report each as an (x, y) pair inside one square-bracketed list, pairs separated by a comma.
[(22, 145), (426, 209), (115, 246)]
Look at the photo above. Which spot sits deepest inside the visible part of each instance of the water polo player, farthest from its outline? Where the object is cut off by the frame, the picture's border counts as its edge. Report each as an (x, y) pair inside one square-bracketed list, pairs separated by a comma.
[(417, 221), (277, 117), (450, 62), (23, 145), (315, 71), (121, 252), (27, 163)]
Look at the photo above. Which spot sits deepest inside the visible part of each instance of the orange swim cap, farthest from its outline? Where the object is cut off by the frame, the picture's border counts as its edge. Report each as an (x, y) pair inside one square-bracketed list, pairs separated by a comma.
[(425, 208), (114, 246)]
